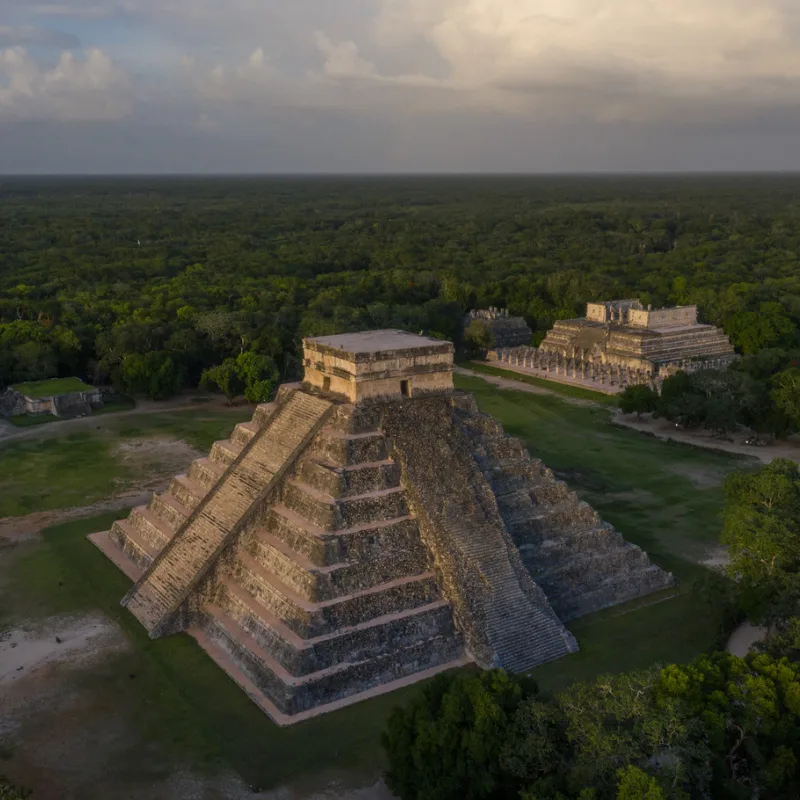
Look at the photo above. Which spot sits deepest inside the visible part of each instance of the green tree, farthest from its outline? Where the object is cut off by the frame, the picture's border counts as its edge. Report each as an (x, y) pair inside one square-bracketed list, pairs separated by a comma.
[(639, 399), (153, 374), (447, 744), (225, 377), (478, 336), (635, 784), (761, 527), (10, 792), (786, 394), (258, 374)]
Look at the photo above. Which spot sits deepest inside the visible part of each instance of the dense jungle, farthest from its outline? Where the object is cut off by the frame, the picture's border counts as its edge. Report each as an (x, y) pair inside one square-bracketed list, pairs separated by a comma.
[(148, 283)]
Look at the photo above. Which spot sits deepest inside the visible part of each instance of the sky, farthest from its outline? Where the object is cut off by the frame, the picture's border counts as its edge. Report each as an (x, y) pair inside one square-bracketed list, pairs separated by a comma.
[(398, 86)]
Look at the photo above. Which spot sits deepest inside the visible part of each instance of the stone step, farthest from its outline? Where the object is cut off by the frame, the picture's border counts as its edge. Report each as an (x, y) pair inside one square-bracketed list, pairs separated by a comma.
[(559, 548), (225, 452), (350, 480), (577, 602), (589, 570), (158, 594), (341, 448), (244, 432), (498, 448), (324, 548), (187, 491), (206, 472), (151, 527), (169, 509), (333, 514), (309, 619), (357, 643), (292, 694), (543, 521), (262, 414), (132, 543), (328, 582), (481, 425)]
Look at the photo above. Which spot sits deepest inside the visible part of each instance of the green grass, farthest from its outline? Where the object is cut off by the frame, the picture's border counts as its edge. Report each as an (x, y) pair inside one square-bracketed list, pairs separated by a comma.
[(81, 467), (51, 387), (564, 389), (121, 404), (30, 420), (187, 711)]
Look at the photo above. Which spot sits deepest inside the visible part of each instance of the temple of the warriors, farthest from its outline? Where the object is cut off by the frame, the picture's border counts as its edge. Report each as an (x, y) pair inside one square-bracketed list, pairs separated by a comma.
[(366, 530), (507, 331), (621, 343)]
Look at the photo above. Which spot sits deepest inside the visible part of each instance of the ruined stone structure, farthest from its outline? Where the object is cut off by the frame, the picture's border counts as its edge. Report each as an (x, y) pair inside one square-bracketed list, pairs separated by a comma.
[(507, 331), (71, 404), (620, 343), (368, 529)]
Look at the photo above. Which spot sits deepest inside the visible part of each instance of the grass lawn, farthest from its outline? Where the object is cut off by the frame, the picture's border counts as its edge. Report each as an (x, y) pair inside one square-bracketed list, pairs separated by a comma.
[(121, 404), (188, 711), (553, 386), (81, 466), (30, 420), (52, 387)]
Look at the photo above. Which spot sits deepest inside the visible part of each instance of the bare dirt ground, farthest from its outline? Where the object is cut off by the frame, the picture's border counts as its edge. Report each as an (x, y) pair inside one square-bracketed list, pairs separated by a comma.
[(29, 526), (159, 456), (665, 429)]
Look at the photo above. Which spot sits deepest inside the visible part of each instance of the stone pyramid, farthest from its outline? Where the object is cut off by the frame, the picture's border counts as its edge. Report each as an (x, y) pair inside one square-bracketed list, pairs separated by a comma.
[(366, 530)]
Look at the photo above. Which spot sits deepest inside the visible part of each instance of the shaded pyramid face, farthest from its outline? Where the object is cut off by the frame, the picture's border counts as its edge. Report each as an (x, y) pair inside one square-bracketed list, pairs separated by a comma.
[(330, 551)]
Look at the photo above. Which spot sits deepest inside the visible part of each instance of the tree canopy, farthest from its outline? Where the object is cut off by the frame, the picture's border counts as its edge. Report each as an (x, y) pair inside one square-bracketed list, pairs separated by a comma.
[(96, 275)]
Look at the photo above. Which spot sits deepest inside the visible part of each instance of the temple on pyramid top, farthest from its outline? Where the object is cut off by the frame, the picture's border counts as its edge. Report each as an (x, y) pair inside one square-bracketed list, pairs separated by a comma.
[(368, 529), (378, 364)]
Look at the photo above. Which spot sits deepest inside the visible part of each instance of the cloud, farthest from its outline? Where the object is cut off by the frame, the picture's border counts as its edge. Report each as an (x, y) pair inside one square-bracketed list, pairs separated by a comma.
[(26, 35), (74, 89), (77, 9), (638, 59)]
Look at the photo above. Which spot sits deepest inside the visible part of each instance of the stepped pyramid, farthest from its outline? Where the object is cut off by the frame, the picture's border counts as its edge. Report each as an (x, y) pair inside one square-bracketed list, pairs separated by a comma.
[(366, 530)]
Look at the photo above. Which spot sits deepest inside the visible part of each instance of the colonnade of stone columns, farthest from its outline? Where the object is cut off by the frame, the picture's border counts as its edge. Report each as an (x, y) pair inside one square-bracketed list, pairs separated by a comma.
[(556, 365)]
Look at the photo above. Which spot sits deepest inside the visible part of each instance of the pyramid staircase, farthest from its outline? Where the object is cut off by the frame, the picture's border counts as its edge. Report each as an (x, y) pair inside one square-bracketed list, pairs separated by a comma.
[(295, 563), (582, 563), (506, 619)]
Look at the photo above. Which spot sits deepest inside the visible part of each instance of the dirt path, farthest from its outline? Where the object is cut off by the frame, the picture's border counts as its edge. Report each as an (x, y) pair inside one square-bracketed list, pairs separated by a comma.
[(31, 525), (664, 429), (521, 386), (744, 637), (9, 432)]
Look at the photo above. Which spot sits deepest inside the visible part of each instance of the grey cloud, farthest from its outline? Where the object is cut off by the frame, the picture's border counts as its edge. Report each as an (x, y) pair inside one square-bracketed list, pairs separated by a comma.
[(30, 35)]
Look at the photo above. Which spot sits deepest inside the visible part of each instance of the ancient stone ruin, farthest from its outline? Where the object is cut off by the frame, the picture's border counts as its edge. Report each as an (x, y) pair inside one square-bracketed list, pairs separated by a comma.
[(68, 404), (620, 343), (506, 331), (366, 530)]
